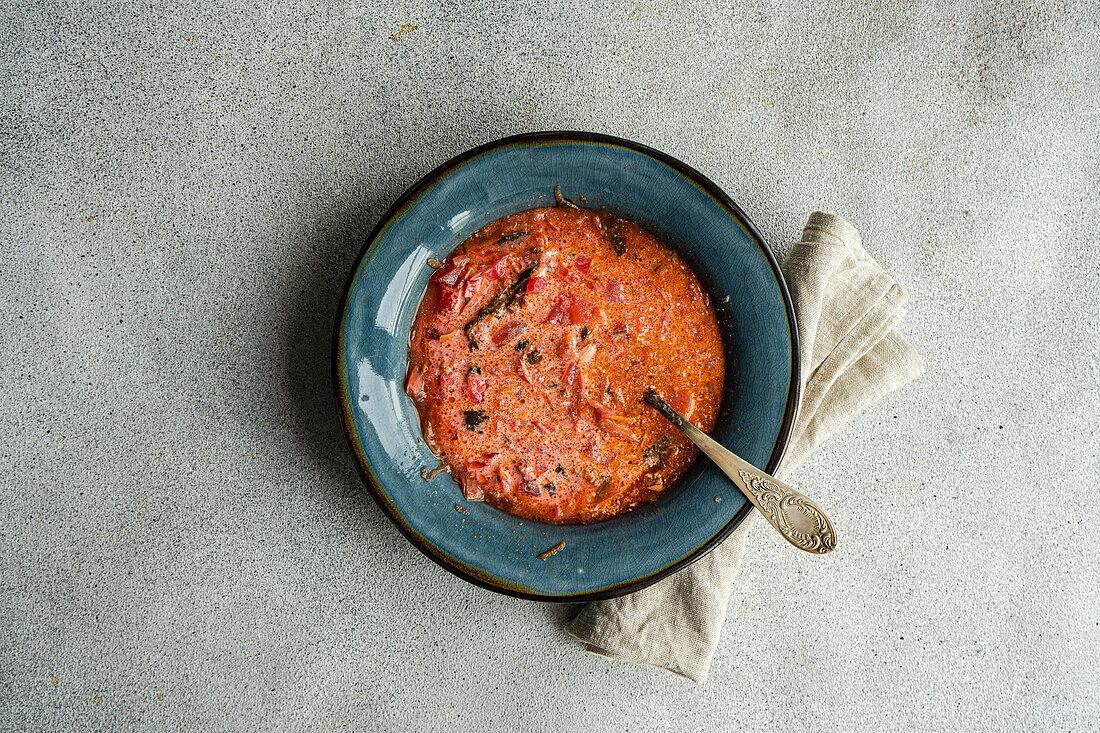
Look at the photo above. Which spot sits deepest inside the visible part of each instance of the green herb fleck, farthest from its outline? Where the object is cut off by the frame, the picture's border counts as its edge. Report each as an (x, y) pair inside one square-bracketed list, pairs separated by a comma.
[(473, 370), (474, 419), (657, 453), (550, 488), (559, 469), (497, 305), (613, 233), (534, 357), (522, 345), (511, 237), (584, 332), (618, 331)]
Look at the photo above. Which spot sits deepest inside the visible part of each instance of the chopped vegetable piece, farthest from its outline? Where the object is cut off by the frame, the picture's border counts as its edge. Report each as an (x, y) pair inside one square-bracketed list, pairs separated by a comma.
[(430, 475), (476, 386), (562, 201), (534, 357), (536, 285), (415, 387), (521, 345), (484, 470), (583, 263), (450, 274), (472, 490), (448, 381), (559, 314), (571, 375), (509, 332), (451, 299), (583, 310), (603, 489), (435, 264), (493, 271), (682, 402), (552, 551)]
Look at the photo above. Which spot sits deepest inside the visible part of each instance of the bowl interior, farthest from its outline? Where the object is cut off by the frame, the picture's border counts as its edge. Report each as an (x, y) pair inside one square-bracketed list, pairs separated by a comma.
[(485, 545)]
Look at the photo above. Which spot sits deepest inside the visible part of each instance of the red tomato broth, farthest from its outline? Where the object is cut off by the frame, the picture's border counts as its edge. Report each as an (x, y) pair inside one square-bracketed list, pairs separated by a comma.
[(536, 407)]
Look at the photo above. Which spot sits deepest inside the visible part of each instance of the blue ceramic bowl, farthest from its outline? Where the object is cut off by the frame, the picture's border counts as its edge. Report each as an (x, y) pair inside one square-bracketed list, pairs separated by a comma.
[(486, 546)]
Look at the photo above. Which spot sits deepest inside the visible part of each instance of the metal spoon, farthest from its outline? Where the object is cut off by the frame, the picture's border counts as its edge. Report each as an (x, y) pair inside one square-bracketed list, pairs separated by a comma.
[(798, 519)]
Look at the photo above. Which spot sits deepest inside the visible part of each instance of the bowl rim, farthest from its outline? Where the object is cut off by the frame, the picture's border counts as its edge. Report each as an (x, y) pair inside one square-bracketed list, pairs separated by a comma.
[(720, 197)]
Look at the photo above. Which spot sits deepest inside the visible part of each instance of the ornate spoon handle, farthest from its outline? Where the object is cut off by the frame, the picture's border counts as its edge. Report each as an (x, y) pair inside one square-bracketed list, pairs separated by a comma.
[(802, 522)]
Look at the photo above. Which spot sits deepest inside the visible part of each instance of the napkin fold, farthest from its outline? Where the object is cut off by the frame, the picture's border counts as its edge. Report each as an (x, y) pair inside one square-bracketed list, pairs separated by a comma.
[(847, 308)]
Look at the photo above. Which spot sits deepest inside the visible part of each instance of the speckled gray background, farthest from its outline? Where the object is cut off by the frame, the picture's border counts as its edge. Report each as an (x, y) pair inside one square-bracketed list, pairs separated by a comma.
[(183, 540)]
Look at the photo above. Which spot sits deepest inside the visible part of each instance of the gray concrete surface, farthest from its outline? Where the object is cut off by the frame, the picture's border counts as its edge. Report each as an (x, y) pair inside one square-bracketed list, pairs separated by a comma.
[(183, 540)]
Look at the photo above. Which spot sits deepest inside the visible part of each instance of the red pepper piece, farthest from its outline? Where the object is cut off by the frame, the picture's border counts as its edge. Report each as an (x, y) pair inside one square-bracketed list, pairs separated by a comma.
[(476, 384), (536, 285)]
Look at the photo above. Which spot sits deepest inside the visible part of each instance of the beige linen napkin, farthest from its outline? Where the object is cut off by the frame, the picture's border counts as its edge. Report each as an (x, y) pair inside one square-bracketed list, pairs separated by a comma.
[(846, 307)]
